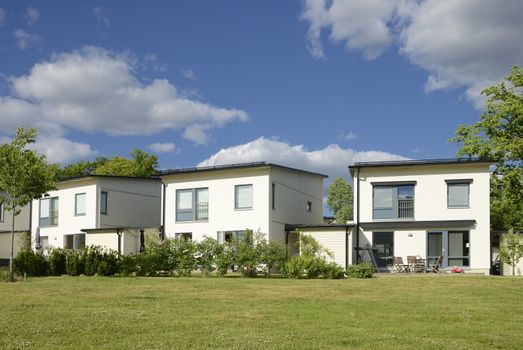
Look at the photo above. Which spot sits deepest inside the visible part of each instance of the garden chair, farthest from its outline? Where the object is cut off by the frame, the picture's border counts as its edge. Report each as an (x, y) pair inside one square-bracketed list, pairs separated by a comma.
[(414, 264), (399, 266), (434, 267)]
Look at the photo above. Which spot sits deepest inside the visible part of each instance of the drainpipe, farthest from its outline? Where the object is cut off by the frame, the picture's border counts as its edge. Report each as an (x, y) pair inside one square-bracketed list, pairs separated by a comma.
[(346, 247), (358, 217), (286, 244), (163, 211), (119, 241)]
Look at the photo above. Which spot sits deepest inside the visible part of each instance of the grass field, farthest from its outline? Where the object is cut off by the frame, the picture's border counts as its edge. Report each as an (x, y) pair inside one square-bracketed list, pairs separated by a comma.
[(421, 312)]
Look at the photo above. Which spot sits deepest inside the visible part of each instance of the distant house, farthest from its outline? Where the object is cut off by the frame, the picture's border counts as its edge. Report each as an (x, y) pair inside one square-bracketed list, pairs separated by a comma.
[(22, 228), (424, 208), (97, 210), (221, 202)]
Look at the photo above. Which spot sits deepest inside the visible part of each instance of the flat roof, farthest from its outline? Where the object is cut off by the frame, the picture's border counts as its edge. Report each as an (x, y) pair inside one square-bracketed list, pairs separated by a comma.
[(232, 167), (80, 177), (289, 227), (424, 162)]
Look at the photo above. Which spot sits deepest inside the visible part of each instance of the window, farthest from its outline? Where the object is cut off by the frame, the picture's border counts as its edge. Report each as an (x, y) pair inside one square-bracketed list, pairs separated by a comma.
[(104, 196), (309, 206), (229, 236), (243, 197), (383, 242), (44, 242), (192, 204), (184, 235), (458, 193), (74, 241), (1, 212), (393, 201), (273, 194), (79, 204), (49, 211), (452, 245)]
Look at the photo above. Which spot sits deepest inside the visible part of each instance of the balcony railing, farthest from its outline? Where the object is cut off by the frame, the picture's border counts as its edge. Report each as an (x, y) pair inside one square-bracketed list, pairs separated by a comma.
[(202, 211), (405, 208)]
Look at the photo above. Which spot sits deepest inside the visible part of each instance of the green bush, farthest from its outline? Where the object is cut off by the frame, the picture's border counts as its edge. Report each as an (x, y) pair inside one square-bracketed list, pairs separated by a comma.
[(108, 265), (128, 265), (364, 270), (156, 259), (75, 263), (182, 256), (304, 266), (271, 255), (207, 250), (333, 271), (57, 262), (29, 263), (223, 259)]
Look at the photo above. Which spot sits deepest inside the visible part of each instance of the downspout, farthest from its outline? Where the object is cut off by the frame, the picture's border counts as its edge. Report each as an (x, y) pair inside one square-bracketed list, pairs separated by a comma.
[(119, 241), (31, 219), (163, 210), (286, 244), (346, 247), (358, 217)]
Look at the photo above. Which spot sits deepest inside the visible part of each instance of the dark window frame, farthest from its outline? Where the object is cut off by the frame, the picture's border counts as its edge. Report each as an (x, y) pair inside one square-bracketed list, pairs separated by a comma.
[(52, 214), (393, 212), (192, 214), (104, 202), (464, 182)]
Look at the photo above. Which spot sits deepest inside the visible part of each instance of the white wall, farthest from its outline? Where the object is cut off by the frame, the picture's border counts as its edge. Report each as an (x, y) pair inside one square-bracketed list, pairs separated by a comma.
[(5, 244), (130, 202), (68, 223), (21, 220), (222, 214), (333, 239), (430, 204)]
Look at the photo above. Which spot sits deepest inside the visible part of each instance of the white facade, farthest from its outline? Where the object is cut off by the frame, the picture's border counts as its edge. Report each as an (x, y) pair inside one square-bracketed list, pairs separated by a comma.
[(275, 196), (425, 209), (94, 202)]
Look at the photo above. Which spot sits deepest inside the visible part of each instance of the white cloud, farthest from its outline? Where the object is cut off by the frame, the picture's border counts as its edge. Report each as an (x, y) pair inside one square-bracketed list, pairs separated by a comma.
[(102, 21), (93, 90), (467, 43), (32, 15), (24, 40), (346, 135), (331, 160), (166, 147), (188, 74), (3, 17), (62, 150), (151, 61)]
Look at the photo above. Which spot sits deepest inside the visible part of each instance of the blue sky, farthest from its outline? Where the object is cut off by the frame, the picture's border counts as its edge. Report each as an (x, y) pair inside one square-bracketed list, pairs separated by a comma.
[(311, 84)]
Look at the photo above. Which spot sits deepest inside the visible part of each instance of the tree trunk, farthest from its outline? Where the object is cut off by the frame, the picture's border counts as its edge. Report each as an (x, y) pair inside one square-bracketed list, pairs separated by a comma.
[(11, 275)]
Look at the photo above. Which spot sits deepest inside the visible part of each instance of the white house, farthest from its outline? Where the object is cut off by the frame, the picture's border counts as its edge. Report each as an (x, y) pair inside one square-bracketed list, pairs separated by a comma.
[(22, 227), (223, 201), (85, 210), (424, 208)]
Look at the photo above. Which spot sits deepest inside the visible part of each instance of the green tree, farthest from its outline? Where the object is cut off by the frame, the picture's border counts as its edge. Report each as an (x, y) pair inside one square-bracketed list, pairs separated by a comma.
[(340, 200), (498, 136), (24, 176), (511, 249), (141, 164)]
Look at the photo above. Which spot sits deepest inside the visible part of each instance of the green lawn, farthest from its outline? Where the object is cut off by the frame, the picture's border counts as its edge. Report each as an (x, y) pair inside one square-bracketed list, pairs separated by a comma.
[(420, 312)]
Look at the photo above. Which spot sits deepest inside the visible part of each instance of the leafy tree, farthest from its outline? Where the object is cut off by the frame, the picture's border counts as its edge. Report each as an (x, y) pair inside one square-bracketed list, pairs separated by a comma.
[(340, 200), (511, 249), (498, 136), (24, 176), (81, 168)]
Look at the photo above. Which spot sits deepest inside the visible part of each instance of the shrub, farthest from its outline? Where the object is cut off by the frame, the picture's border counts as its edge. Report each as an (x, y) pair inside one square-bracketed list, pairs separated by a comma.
[(75, 263), (245, 255), (206, 255), (364, 270), (128, 264), (156, 259), (223, 259), (182, 256), (333, 271), (271, 255), (93, 256), (29, 263), (108, 265), (304, 266), (57, 262)]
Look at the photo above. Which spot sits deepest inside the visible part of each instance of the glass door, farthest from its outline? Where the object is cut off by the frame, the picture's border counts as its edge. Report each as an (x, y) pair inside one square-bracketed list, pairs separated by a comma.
[(383, 242)]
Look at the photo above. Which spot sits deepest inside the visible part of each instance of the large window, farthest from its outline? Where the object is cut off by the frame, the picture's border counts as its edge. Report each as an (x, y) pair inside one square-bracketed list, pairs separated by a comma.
[(104, 198), (192, 204), (79, 204), (229, 236), (393, 201), (1, 212), (452, 245), (458, 193), (243, 197), (75, 241), (49, 211)]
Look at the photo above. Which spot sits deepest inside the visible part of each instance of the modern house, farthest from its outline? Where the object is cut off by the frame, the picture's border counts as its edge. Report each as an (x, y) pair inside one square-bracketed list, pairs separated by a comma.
[(97, 210), (22, 228), (223, 201), (424, 208)]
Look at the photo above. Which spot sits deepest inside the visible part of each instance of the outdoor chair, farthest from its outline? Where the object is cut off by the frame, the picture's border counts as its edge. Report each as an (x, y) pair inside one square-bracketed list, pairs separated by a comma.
[(434, 267), (414, 264), (399, 266)]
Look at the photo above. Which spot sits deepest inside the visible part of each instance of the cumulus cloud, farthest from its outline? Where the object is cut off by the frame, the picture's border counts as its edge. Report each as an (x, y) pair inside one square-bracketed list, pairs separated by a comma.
[(62, 150), (467, 43), (31, 15), (166, 147), (94, 90), (331, 160), (25, 40), (3, 17)]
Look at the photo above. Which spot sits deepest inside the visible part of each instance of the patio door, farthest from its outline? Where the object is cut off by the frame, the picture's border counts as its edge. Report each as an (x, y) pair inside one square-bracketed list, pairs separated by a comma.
[(383, 242), (452, 245)]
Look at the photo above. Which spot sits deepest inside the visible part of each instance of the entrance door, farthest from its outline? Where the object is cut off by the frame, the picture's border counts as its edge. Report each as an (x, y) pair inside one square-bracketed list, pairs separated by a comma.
[(452, 245), (384, 243)]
